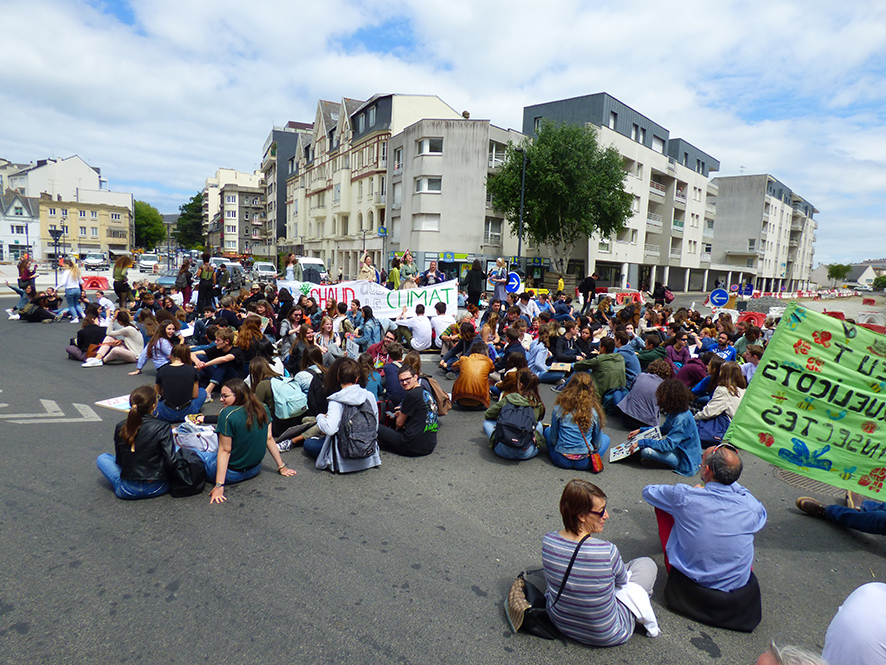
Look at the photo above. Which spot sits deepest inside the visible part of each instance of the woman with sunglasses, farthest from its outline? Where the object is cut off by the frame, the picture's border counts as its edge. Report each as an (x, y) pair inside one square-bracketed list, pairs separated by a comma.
[(592, 608), (244, 435)]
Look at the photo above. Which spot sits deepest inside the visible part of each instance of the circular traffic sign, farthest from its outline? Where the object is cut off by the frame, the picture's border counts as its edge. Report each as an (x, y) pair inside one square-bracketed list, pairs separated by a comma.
[(514, 283), (719, 297)]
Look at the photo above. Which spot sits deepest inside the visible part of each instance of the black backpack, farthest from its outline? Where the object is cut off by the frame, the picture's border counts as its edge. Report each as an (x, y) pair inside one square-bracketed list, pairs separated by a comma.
[(515, 427), (317, 395), (188, 475), (357, 433)]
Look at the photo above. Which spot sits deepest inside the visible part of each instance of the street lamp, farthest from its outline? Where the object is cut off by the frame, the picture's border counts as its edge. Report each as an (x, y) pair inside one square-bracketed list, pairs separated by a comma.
[(56, 234), (522, 151)]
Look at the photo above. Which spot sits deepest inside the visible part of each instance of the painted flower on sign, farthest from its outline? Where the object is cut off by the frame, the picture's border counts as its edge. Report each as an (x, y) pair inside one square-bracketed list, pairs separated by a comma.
[(869, 427), (822, 337), (801, 346), (814, 364), (766, 439)]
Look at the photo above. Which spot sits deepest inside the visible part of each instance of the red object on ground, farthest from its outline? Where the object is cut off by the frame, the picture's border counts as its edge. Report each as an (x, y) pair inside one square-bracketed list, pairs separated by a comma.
[(758, 318), (665, 524), (868, 301), (836, 315), (874, 327), (94, 283)]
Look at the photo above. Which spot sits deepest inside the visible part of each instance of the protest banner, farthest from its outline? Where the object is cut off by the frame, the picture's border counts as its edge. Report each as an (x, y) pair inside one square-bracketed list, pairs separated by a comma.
[(383, 302), (817, 403)]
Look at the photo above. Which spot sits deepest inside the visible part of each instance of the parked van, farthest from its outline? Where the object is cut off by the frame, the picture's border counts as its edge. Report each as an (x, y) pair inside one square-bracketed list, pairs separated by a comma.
[(310, 269)]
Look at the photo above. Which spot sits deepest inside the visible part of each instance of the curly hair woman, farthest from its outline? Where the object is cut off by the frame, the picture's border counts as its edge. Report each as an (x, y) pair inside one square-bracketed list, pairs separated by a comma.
[(680, 449), (577, 423)]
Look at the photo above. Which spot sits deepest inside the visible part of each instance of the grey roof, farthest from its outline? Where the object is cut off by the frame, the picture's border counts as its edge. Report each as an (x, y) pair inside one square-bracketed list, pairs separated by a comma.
[(30, 204), (330, 111), (351, 105), (369, 101), (856, 272)]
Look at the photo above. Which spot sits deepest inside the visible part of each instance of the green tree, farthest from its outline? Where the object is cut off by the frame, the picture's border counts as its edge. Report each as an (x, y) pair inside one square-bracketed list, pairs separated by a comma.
[(837, 272), (149, 228), (189, 230), (574, 188), (880, 282)]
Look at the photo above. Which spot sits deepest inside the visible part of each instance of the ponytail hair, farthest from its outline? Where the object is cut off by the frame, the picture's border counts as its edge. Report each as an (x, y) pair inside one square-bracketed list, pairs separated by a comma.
[(142, 401)]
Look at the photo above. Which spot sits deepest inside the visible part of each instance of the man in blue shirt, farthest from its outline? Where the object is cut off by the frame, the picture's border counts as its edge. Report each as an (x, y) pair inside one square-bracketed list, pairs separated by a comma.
[(711, 542), (724, 348)]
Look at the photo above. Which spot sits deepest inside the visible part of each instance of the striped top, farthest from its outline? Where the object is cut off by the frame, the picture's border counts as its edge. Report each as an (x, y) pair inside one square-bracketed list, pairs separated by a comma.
[(587, 610)]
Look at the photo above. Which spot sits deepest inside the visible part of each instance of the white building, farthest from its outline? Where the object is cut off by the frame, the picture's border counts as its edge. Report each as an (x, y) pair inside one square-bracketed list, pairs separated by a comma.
[(767, 230), (669, 237), (393, 173), (223, 223), (19, 226)]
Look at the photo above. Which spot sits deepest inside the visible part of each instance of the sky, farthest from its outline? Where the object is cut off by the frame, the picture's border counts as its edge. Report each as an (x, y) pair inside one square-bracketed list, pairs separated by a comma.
[(161, 93)]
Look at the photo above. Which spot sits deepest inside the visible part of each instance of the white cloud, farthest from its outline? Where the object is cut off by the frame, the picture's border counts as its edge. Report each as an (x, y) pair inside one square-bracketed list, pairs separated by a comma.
[(793, 89)]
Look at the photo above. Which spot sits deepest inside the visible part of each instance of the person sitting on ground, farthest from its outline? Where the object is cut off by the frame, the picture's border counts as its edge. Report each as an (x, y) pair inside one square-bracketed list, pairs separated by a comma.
[(608, 372), (178, 386), (349, 395), (123, 342), (707, 533), (415, 432), (394, 392), (379, 350), (467, 333), (724, 347), (576, 430), (680, 449), (653, 350), (144, 452), (440, 322), (857, 633), (244, 435), (525, 395), (752, 357), (418, 328), (639, 408), (304, 340), (370, 331), (592, 608), (704, 389), (223, 363), (538, 355), (724, 402), (513, 346), (261, 375), (470, 392), (370, 377), (37, 309), (693, 371), (859, 513), (90, 334)]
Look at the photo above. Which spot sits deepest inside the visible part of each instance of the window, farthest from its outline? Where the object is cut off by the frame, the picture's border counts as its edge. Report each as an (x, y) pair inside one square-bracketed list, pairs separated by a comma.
[(384, 152), (613, 119), (639, 171), (429, 146), (231, 214), (658, 144), (750, 263), (93, 214), (82, 230), (633, 236), (536, 124), (19, 211), (398, 159), (64, 229), (643, 135), (255, 200), (230, 228), (360, 190), (115, 216), (230, 198), (492, 231), (361, 123), (752, 244), (230, 244), (93, 231), (18, 230), (604, 246), (635, 204), (52, 212), (706, 247), (371, 182), (82, 214), (426, 222), (428, 184), (64, 212), (635, 132), (371, 118)]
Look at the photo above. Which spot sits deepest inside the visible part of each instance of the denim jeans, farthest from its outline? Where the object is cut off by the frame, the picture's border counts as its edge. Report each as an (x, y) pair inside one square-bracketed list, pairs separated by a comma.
[(870, 519), (72, 299), (210, 461), (218, 374), (170, 415), (579, 464), (129, 489), (314, 445), (551, 377), (670, 458)]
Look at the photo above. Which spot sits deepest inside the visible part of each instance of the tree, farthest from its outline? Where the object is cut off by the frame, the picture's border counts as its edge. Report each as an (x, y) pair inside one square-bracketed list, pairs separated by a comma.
[(149, 229), (837, 272), (880, 282), (574, 188), (189, 230)]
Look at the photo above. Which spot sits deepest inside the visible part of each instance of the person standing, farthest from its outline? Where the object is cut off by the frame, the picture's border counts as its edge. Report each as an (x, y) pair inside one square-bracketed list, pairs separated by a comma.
[(183, 281), (121, 281), (72, 283), (499, 278), (588, 290), (205, 286), (367, 271), (27, 273), (473, 282)]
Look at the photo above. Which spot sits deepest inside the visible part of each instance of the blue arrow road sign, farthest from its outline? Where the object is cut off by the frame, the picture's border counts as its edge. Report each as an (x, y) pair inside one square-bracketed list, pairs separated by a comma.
[(719, 297), (513, 284)]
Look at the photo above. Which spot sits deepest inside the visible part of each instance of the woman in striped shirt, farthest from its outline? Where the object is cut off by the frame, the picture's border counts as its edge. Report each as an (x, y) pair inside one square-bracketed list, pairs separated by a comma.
[(588, 610)]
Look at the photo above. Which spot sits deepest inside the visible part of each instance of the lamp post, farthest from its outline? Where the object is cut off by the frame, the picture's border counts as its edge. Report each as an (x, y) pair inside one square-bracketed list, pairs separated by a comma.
[(522, 151), (56, 234)]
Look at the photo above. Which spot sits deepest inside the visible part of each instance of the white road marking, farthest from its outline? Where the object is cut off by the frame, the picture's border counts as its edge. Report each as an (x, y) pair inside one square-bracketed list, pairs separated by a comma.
[(51, 411), (88, 416)]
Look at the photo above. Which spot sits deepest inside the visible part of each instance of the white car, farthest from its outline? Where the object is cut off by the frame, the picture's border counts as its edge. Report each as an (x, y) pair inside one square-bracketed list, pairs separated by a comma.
[(263, 271), (146, 262), (95, 262)]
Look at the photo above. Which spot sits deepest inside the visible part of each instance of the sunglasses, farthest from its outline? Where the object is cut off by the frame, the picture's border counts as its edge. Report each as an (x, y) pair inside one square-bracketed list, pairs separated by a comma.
[(599, 513), (405, 381)]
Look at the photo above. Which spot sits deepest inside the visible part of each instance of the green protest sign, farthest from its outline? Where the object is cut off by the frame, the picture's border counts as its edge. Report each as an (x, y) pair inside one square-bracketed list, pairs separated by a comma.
[(817, 403)]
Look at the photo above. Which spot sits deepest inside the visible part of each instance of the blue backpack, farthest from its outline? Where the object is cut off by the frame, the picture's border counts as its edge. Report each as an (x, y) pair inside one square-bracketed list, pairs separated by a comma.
[(289, 399)]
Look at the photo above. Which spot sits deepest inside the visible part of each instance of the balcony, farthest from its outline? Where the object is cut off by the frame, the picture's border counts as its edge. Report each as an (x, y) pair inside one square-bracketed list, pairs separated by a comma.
[(705, 257), (793, 243), (492, 239), (654, 222), (677, 228), (379, 198), (657, 189), (680, 196), (713, 188), (711, 208), (708, 232), (752, 251), (318, 211), (797, 225), (396, 204), (398, 168), (763, 235), (651, 250), (814, 237), (676, 253)]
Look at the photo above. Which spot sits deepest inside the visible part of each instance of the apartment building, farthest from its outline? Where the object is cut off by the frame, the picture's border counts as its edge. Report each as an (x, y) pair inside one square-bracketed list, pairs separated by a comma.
[(87, 226), (277, 154), (212, 203), (766, 229), (392, 173), (19, 226), (669, 238), (239, 225)]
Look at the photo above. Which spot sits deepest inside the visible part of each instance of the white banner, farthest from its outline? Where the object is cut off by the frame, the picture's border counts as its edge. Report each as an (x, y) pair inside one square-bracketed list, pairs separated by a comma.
[(384, 303)]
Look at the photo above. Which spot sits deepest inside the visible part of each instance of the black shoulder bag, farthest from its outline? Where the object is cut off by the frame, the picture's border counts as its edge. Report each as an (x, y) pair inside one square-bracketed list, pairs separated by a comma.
[(526, 607)]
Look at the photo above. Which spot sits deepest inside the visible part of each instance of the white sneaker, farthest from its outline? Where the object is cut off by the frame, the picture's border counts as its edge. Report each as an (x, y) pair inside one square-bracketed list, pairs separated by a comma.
[(93, 362), (9, 311), (14, 317), (75, 320)]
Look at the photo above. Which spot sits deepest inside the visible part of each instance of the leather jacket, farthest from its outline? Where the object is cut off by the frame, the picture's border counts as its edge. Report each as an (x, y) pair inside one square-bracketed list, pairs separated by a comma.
[(154, 451)]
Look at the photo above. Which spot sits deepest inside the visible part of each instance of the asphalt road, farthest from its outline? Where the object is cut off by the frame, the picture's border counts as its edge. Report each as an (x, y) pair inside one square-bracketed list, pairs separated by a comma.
[(408, 563)]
